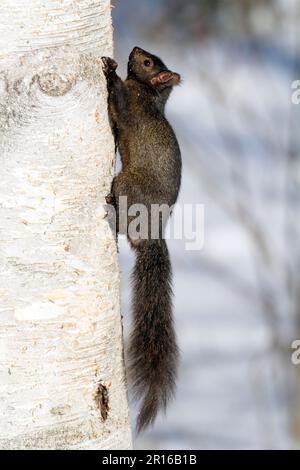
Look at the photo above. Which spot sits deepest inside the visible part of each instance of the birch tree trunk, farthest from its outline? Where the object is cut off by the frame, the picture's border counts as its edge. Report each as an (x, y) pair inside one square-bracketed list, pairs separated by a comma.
[(61, 358)]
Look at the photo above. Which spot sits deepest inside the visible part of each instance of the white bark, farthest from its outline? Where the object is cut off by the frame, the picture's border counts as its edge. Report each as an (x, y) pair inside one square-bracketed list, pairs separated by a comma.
[(60, 326)]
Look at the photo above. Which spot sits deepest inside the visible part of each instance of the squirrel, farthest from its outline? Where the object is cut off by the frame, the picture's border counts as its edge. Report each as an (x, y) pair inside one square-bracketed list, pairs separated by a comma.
[(150, 174)]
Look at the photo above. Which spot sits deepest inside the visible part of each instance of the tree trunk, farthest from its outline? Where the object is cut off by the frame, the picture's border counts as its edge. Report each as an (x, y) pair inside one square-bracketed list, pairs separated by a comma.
[(61, 361)]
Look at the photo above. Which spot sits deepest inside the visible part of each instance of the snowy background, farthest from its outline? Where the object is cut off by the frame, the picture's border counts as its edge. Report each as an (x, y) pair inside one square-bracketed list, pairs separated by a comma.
[(237, 299)]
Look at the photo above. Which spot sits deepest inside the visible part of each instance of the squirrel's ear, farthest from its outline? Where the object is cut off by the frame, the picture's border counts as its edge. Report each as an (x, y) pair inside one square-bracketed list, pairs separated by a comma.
[(166, 78)]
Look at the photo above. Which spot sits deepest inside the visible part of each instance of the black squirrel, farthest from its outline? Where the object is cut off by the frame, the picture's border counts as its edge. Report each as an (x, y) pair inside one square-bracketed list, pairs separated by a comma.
[(151, 174)]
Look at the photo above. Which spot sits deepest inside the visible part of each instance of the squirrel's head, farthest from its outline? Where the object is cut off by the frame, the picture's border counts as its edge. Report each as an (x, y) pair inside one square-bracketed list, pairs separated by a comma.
[(149, 69)]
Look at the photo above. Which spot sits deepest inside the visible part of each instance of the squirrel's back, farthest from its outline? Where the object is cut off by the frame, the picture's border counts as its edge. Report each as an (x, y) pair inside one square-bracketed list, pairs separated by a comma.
[(148, 142)]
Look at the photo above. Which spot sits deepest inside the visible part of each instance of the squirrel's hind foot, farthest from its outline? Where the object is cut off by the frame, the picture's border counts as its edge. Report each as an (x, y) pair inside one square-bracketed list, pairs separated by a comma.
[(110, 199)]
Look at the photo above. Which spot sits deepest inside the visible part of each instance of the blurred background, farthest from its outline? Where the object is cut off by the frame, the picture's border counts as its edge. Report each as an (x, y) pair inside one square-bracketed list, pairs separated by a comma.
[(237, 301)]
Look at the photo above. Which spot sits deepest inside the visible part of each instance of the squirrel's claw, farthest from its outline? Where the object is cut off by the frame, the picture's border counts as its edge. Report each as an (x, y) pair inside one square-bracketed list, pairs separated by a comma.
[(109, 65), (110, 199)]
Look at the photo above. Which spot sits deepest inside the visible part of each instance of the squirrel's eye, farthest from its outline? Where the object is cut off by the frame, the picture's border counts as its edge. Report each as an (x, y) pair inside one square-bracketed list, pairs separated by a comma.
[(147, 63)]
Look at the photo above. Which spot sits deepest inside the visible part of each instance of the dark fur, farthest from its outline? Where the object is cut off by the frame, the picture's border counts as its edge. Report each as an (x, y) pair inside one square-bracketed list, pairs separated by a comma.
[(151, 173)]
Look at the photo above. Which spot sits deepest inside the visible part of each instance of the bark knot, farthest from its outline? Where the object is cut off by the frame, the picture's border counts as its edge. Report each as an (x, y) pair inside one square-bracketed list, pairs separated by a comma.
[(54, 84), (102, 400)]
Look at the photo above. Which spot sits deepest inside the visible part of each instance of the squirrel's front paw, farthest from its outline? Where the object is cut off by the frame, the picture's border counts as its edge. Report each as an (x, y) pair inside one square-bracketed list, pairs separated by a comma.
[(109, 65)]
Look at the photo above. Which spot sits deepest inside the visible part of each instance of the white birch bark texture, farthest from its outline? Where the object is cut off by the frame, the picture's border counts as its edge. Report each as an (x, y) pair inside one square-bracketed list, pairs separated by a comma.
[(60, 325)]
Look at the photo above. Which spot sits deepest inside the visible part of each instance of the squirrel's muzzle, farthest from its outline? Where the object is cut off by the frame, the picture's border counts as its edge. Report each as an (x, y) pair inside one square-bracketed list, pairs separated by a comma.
[(166, 78)]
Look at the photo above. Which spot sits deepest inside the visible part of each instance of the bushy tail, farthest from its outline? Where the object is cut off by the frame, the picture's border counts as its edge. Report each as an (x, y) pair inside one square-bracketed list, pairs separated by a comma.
[(153, 352)]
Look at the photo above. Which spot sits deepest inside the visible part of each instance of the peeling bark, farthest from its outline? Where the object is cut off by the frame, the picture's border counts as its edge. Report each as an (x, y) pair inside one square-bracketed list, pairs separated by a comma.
[(60, 326)]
